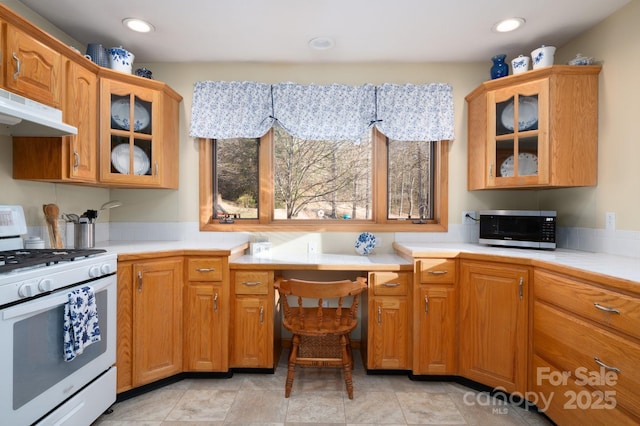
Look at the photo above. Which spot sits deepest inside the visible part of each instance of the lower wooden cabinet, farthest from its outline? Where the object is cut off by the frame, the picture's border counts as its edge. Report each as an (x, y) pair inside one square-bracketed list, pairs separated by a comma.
[(586, 347), (388, 334), (493, 324), (149, 321), (206, 326), (252, 320), (435, 316)]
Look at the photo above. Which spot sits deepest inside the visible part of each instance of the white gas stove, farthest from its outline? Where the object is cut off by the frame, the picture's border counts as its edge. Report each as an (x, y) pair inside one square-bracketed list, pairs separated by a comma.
[(41, 385)]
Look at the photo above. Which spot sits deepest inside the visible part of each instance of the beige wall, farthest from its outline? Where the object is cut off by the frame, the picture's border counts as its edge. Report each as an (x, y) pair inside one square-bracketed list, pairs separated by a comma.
[(614, 42)]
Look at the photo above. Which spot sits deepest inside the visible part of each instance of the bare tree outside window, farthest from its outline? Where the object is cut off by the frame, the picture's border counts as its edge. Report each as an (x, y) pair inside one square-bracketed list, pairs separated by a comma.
[(321, 179), (410, 180), (235, 179)]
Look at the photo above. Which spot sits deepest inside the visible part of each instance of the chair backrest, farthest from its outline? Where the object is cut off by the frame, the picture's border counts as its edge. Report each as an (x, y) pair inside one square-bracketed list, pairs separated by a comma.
[(315, 316)]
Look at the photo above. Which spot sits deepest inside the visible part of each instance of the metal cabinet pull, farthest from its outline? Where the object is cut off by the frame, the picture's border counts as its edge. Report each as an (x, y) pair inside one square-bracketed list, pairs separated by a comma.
[(438, 272), (215, 302), (520, 288), (379, 315), (391, 285), (139, 281), (261, 314), (426, 305), (605, 366), (76, 160), (17, 73), (205, 269), (491, 171), (606, 309), (251, 283), (156, 163)]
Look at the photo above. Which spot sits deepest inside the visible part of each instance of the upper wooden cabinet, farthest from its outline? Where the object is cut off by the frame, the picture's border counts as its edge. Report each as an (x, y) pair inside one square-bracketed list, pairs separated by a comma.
[(138, 132), (70, 158), (31, 68), (535, 129)]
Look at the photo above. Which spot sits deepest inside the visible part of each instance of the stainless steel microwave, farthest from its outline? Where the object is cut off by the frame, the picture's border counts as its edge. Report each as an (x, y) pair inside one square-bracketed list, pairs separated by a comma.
[(518, 228)]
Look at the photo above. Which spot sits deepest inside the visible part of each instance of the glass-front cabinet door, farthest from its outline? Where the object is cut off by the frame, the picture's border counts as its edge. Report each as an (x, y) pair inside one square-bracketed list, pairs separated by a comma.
[(131, 153), (517, 135)]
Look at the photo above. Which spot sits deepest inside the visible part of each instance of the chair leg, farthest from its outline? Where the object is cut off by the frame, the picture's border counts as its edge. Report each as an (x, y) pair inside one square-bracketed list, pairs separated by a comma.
[(293, 355), (346, 365)]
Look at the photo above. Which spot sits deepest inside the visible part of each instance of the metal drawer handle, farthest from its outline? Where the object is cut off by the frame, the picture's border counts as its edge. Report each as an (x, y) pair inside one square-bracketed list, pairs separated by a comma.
[(205, 269), (215, 302), (438, 272), (605, 366), (261, 314), (251, 283), (391, 285), (76, 160), (520, 288), (379, 315), (606, 309), (17, 73), (426, 305), (139, 281)]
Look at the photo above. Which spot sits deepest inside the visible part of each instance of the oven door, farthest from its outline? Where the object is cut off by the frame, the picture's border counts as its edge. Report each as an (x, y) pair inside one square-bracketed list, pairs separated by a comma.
[(35, 378)]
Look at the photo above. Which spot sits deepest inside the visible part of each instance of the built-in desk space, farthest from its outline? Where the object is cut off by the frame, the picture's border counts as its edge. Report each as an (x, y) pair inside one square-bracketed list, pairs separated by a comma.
[(255, 331)]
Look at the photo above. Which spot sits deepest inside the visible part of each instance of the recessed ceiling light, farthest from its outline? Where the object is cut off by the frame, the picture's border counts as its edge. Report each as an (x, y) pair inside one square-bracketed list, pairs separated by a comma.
[(507, 25), (138, 25), (321, 43)]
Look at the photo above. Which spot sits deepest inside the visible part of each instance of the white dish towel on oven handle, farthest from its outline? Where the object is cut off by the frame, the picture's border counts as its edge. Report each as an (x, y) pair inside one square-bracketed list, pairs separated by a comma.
[(80, 322)]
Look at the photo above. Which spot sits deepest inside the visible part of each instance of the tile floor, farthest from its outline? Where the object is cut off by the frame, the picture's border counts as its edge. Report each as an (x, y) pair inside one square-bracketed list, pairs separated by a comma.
[(318, 397)]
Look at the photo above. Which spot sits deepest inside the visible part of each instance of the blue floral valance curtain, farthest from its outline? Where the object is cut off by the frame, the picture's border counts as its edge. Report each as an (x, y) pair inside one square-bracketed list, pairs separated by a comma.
[(415, 112), (224, 110), (334, 112), (409, 112)]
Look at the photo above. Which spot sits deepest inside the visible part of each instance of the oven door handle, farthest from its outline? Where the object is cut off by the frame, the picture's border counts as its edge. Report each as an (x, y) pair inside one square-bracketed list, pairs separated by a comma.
[(30, 308)]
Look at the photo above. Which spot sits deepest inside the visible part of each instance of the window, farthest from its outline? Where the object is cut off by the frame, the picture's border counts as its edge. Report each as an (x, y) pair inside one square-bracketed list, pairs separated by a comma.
[(281, 183)]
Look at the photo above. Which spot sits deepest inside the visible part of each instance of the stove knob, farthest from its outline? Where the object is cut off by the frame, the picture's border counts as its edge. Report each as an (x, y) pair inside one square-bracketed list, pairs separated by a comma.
[(25, 290), (106, 269), (45, 285), (94, 271)]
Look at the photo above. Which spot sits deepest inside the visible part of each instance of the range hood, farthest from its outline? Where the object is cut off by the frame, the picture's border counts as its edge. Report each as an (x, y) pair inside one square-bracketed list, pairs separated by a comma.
[(30, 118)]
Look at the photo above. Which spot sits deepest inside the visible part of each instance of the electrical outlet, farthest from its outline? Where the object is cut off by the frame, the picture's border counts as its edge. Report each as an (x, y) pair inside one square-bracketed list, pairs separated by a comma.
[(610, 221), (469, 221), (312, 247)]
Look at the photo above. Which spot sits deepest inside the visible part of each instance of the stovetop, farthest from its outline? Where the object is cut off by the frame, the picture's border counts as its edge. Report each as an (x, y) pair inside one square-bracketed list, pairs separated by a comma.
[(11, 260)]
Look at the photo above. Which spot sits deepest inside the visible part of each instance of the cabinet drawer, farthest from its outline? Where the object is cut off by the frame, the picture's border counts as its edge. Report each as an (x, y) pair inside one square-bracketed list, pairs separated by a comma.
[(205, 269), (437, 270), (390, 283), (615, 310), (575, 346), (252, 282)]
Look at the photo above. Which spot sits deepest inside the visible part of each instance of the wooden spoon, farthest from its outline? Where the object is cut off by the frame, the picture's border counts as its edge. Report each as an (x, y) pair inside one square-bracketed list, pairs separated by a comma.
[(51, 215)]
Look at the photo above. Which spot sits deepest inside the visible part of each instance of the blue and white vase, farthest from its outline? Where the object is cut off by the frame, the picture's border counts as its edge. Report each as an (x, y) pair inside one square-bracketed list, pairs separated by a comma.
[(500, 68)]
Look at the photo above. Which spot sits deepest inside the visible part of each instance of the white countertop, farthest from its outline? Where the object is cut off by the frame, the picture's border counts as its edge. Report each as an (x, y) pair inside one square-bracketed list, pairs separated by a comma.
[(626, 268)]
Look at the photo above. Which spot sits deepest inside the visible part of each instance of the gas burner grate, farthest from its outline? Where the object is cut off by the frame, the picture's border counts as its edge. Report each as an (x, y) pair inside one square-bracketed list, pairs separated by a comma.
[(28, 258)]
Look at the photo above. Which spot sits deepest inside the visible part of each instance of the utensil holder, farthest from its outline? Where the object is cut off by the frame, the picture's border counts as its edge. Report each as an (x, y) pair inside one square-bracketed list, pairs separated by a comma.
[(84, 235)]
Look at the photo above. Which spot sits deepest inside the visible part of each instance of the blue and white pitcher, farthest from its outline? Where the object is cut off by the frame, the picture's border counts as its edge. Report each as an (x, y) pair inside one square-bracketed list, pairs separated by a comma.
[(120, 59)]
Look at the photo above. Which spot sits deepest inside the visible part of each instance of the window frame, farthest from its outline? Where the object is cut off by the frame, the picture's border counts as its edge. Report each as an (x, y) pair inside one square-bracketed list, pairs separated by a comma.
[(378, 223)]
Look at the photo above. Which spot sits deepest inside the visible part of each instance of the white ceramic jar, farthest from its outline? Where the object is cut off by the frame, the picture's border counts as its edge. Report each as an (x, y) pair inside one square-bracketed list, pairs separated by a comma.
[(543, 56), (120, 59), (520, 64)]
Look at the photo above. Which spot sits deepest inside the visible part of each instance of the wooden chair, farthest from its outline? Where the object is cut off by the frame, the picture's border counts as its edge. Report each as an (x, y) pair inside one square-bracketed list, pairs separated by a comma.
[(320, 333)]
